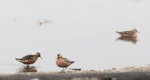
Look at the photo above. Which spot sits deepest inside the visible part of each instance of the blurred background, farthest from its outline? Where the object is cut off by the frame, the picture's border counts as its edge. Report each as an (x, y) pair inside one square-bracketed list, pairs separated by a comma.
[(80, 30)]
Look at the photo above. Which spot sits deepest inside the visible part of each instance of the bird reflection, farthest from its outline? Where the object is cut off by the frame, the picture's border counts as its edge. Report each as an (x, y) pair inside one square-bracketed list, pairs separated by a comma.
[(26, 69), (128, 39)]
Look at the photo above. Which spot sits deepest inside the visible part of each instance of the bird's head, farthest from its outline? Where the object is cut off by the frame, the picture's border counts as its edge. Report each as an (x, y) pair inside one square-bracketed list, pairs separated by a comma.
[(59, 56), (38, 55)]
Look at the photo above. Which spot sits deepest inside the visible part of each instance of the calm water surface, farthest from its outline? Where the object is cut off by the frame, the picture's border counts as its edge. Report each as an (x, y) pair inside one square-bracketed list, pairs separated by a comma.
[(83, 31)]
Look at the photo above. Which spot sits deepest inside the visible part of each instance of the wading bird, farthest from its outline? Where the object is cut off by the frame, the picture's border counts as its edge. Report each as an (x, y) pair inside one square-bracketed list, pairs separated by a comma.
[(29, 59), (131, 33), (63, 62)]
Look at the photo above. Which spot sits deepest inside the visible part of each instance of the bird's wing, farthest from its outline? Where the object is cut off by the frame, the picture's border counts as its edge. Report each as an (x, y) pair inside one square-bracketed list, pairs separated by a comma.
[(128, 32), (28, 57), (67, 60)]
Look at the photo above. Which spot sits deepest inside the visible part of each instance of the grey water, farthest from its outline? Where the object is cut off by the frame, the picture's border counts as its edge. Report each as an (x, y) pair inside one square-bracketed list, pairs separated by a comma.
[(80, 30)]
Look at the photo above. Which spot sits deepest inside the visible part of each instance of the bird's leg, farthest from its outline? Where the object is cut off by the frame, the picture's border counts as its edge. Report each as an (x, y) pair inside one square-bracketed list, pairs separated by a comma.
[(63, 70), (28, 65)]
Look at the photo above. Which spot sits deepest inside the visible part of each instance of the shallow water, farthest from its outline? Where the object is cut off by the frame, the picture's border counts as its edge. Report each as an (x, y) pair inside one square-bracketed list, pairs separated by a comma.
[(81, 30)]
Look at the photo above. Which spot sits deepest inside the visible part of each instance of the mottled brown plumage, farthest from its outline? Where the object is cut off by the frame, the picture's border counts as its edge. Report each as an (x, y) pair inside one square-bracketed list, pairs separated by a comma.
[(131, 33), (29, 59), (63, 62)]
